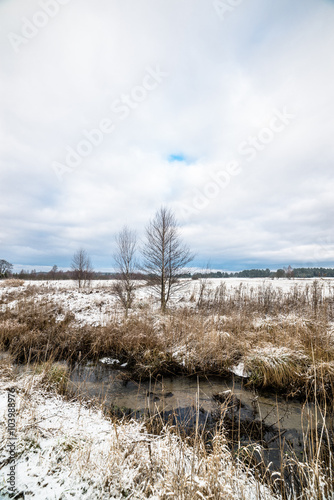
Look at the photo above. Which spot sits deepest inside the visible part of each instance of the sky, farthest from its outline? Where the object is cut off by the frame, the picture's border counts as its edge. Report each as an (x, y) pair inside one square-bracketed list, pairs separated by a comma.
[(222, 111)]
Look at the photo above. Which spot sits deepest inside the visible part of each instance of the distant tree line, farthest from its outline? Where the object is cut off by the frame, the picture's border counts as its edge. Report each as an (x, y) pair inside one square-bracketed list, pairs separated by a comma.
[(313, 272), (298, 272), (247, 273), (67, 275)]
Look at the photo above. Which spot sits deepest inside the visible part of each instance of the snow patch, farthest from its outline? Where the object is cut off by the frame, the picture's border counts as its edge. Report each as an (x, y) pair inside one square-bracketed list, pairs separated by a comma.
[(110, 361), (239, 370)]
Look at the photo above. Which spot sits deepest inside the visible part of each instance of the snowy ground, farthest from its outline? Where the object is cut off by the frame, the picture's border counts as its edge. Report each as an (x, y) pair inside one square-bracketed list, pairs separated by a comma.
[(96, 305), (66, 450)]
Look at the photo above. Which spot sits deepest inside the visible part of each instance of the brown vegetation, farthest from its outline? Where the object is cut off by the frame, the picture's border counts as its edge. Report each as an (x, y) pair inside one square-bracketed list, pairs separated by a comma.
[(285, 341)]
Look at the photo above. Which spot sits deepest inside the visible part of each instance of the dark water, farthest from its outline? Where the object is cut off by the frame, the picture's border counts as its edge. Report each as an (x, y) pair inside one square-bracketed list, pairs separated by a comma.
[(189, 402)]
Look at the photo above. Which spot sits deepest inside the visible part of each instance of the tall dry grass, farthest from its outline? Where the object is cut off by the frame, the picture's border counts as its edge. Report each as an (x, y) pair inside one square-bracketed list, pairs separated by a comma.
[(283, 339)]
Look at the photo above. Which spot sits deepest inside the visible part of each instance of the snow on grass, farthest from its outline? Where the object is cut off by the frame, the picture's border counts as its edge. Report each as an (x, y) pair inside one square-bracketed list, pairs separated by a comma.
[(275, 366), (96, 304), (68, 450), (276, 354), (90, 306)]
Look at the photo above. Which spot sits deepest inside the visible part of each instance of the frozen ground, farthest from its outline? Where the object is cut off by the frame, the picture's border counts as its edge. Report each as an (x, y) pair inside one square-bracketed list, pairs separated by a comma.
[(66, 450), (96, 305)]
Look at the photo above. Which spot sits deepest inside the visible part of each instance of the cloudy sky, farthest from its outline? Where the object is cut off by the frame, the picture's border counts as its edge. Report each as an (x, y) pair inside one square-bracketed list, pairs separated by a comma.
[(222, 110)]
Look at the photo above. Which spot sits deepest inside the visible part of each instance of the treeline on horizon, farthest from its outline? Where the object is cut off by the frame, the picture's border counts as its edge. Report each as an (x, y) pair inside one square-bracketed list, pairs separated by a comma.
[(301, 272)]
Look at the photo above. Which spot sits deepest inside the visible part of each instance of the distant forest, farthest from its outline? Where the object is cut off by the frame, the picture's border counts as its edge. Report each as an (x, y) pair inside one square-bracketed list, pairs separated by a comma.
[(299, 272)]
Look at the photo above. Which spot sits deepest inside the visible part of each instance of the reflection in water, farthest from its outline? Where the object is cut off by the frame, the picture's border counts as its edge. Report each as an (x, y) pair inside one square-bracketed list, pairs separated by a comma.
[(168, 394)]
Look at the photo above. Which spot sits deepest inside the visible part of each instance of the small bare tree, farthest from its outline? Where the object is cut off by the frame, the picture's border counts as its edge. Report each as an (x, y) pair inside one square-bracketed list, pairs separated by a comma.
[(289, 272), (53, 272), (5, 268), (125, 259), (82, 270), (165, 256)]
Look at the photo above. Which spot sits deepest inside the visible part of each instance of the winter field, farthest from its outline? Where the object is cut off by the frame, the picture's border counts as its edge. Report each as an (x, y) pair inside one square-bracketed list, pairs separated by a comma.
[(275, 335), (95, 305)]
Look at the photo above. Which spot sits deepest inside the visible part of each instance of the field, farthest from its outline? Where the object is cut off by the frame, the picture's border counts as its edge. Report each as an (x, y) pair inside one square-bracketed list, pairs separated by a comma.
[(274, 335)]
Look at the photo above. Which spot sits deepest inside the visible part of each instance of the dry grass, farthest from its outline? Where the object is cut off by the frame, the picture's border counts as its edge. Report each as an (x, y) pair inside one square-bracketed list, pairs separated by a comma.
[(311, 301), (209, 337), (55, 376), (6, 367), (11, 282), (277, 367)]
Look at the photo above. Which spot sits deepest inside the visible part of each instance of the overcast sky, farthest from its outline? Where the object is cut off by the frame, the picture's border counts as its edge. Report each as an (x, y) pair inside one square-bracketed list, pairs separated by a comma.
[(222, 111)]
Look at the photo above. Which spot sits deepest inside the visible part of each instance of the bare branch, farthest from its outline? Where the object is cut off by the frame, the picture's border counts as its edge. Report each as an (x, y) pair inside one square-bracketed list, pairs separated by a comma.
[(165, 256), (125, 259)]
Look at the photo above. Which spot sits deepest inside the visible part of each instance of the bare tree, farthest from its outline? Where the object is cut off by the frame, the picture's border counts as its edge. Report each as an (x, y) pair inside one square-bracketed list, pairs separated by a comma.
[(5, 268), (53, 272), (165, 256), (289, 272), (125, 259), (82, 269)]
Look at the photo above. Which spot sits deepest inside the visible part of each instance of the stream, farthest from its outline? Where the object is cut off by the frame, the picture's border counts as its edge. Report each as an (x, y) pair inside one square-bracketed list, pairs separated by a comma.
[(250, 419)]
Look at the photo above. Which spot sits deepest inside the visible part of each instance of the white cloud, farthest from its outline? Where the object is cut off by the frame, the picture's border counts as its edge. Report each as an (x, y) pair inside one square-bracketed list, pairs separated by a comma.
[(225, 79)]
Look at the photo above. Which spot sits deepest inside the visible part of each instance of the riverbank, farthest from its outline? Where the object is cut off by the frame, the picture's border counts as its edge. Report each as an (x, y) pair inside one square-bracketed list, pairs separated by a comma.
[(278, 338), (66, 449)]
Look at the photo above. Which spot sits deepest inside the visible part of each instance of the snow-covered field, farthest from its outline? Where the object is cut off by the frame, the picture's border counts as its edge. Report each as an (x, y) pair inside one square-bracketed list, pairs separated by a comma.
[(96, 304)]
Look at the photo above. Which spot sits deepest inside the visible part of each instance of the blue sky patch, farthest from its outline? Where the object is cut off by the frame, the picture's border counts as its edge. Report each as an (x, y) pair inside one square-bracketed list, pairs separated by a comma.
[(177, 157)]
